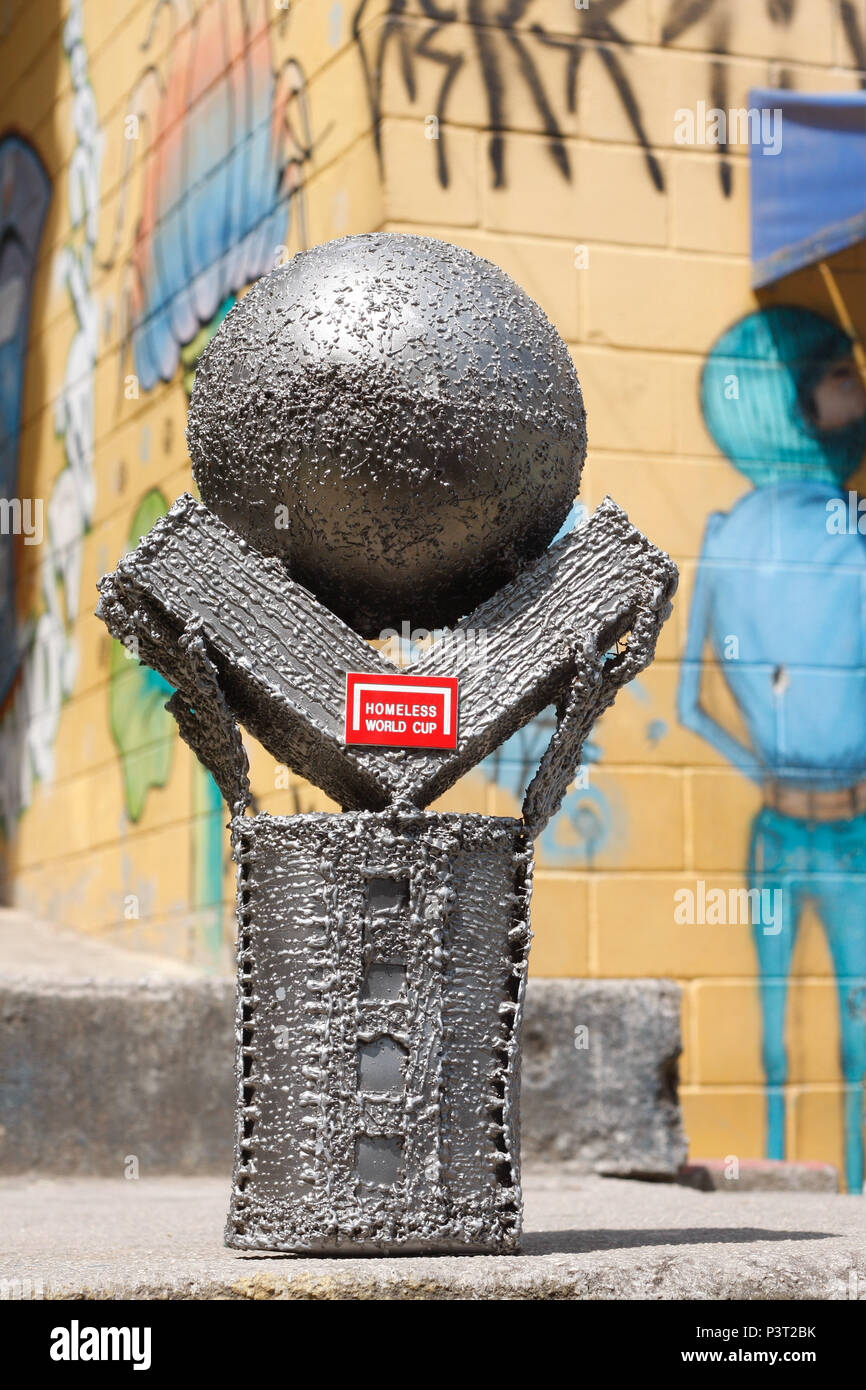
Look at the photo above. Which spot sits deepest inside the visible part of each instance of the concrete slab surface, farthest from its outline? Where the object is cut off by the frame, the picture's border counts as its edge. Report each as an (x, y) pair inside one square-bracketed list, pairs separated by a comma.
[(586, 1237), (35, 951)]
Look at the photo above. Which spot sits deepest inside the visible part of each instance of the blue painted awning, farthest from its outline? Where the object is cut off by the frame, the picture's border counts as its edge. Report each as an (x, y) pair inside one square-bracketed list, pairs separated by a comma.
[(808, 199)]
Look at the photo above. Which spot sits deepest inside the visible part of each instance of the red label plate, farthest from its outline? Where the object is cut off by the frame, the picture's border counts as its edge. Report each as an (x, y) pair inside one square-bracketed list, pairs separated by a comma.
[(401, 711)]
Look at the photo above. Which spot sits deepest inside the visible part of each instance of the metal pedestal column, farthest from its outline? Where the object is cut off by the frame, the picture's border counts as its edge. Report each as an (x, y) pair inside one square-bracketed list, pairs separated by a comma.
[(381, 970)]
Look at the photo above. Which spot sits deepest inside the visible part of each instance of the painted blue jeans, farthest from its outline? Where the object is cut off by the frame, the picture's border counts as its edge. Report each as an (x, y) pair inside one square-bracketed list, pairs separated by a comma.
[(824, 863)]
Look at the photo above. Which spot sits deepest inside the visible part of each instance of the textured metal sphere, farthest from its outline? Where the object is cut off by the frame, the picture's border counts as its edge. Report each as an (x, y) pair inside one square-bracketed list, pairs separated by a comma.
[(394, 418)]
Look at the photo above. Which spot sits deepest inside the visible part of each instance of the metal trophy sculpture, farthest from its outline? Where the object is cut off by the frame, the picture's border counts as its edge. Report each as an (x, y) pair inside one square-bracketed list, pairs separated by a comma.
[(385, 428)]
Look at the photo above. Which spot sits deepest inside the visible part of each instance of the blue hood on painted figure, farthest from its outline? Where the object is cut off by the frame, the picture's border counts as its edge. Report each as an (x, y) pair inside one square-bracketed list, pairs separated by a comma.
[(756, 392)]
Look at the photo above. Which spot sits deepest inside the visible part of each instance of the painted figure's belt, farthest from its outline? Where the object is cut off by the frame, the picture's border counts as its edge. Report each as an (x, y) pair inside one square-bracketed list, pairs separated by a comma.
[(809, 803)]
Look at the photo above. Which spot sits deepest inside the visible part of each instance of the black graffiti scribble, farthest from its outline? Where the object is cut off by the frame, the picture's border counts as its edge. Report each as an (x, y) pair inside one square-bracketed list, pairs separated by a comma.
[(855, 36), (418, 30), (682, 15), (452, 62), (494, 33), (596, 33), (493, 81)]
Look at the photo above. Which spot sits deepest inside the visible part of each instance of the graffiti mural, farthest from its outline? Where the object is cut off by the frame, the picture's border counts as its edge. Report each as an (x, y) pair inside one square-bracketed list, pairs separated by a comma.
[(24, 197), (583, 825), (418, 32), (227, 138), (48, 652), (778, 599), (512, 50)]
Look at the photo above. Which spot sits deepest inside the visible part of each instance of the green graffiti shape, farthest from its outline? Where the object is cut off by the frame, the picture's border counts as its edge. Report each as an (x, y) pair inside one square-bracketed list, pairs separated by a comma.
[(141, 727)]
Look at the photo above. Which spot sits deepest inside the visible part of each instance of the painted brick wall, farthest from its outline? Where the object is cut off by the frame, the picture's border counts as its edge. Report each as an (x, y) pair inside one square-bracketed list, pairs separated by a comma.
[(178, 151)]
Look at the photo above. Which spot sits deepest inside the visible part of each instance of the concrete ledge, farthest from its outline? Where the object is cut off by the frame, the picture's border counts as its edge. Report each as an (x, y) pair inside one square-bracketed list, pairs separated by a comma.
[(97, 1073), (586, 1238), (600, 1076), (758, 1175), (107, 1054)]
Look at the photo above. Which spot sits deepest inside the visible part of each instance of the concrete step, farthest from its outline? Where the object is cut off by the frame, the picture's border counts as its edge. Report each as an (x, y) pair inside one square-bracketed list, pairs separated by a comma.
[(586, 1238), (111, 1059), (758, 1175)]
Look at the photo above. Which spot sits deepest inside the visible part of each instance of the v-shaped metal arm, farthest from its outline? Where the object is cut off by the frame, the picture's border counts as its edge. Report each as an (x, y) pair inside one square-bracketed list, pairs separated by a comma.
[(245, 644)]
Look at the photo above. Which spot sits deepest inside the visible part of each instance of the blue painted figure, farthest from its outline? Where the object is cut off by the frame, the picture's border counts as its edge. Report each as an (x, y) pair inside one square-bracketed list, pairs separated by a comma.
[(779, 596)]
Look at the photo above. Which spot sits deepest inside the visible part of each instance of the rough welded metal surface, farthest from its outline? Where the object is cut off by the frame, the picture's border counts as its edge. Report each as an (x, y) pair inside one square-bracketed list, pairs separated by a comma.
[(412, 409), (392, 422), (550, 636), (547, 639), (281, 656), (378, 1029)]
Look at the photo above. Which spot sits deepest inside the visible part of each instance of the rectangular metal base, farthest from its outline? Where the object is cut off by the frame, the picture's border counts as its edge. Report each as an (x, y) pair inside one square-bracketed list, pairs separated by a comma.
[(381, 969)]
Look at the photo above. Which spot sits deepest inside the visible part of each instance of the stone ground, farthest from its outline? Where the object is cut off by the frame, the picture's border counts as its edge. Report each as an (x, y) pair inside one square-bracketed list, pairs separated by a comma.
[(585, 1238)]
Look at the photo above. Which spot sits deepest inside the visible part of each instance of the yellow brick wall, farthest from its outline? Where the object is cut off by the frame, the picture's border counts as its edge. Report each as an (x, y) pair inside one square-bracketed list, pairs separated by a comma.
[(553, 154)]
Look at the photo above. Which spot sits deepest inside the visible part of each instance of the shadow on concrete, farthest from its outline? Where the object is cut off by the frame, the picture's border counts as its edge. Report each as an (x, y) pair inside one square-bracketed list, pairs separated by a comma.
[(582, 1242)]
